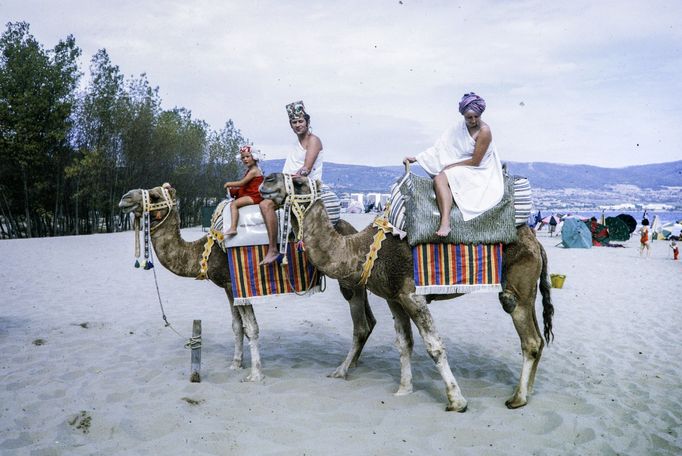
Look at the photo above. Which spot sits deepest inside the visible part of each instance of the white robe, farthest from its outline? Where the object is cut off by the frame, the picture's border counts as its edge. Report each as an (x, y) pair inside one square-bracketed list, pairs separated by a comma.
[(475, 189), (296, 159)]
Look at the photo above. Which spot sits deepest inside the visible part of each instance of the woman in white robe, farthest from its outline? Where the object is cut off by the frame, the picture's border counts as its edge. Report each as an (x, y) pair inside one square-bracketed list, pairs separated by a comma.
[(464, 165)]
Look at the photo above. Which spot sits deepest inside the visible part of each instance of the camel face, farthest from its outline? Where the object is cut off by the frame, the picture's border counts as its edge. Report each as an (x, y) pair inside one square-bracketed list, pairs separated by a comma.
[(132, 202), (273, 187)]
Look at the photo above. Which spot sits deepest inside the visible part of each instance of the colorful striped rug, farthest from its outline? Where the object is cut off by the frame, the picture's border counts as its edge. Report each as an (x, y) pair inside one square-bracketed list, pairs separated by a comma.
[(457, 268), (251, 281)]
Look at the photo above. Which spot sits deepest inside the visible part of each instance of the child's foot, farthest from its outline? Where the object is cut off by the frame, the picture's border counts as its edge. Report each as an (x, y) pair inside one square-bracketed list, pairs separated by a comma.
[(442, 232), (270, 257), (231, 232)]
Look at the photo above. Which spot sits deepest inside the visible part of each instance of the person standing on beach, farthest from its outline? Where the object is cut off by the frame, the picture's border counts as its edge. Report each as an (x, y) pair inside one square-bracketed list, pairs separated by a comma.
[(644, 238), (464, 165), (304, 159), (676, 250)]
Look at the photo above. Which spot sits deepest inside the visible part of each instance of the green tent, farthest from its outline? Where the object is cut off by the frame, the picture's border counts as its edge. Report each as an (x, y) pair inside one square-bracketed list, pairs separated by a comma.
[(629, 221), (618, 229)]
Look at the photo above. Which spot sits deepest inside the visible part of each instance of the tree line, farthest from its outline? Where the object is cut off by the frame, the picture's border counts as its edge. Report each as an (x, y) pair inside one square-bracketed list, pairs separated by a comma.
[(68, 154)]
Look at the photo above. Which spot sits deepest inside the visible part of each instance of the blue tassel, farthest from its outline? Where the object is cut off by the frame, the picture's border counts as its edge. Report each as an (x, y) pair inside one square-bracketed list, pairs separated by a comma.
[(137, 264), (150, 265)]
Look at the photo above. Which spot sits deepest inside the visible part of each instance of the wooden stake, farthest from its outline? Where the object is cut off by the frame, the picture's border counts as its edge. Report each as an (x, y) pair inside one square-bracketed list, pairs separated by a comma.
[(195, 368)]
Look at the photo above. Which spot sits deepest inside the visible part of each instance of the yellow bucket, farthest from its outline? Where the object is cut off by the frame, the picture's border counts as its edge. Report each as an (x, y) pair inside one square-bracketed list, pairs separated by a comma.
[(557, 280)]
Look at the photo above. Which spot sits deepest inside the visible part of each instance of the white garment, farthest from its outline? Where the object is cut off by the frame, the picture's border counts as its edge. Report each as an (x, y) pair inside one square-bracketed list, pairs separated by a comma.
[(475, 189), (296, 159)]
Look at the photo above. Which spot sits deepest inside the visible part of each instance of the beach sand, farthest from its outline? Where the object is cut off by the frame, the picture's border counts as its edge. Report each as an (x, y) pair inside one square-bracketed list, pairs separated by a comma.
[(88, 367)]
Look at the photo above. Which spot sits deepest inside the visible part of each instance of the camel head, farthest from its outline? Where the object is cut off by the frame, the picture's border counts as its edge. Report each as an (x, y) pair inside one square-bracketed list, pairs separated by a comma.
[(161, 201), (274, 187)]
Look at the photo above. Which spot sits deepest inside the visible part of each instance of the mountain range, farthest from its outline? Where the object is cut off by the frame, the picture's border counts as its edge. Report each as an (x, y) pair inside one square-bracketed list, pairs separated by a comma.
[(554, 176)]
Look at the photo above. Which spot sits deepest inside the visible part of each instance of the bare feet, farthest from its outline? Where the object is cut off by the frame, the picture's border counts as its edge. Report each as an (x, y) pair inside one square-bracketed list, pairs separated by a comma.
[(231, 232), (442, 232), (270, 257)]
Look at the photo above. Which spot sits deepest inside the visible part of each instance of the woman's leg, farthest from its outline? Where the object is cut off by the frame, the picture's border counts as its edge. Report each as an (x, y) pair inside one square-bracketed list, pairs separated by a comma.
[(444, 200), (234, 213)]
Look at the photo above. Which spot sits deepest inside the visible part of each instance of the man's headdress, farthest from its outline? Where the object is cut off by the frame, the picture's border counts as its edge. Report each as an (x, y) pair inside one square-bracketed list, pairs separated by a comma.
[(296, 110)]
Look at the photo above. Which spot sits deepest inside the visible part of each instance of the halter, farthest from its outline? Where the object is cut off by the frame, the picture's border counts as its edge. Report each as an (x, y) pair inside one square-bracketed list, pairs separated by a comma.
[(298, 204), (147, 206)]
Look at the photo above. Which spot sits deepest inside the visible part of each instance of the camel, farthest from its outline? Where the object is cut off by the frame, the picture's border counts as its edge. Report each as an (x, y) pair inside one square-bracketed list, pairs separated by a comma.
[(342, 257), (183, 259)]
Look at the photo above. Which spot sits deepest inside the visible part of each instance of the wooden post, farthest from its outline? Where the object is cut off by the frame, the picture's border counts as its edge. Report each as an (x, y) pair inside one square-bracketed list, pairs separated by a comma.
[(195, 368)]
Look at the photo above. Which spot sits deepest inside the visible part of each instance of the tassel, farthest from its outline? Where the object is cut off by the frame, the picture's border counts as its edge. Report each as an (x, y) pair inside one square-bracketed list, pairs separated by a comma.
[(300, 246), (137, 263), (282, 259), (150, 265)]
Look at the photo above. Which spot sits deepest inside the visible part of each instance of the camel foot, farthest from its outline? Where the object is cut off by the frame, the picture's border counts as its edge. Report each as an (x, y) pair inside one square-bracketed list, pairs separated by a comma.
[(403, 390), (254, 377), (508, 301), (236, 364), (269, 258), (515, 403), (339, 373), (442, 232), (452, 408)]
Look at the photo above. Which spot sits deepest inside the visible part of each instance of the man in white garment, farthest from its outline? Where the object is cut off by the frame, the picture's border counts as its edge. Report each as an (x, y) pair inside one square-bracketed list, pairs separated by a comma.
[(305, 159), (464, 165)]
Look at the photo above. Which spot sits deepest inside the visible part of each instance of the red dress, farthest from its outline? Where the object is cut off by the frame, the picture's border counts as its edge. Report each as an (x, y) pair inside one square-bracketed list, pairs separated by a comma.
[(250, 189)]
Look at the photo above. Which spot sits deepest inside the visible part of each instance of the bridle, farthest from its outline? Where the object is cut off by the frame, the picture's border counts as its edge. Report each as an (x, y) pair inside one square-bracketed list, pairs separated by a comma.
[(147, 206), (298, 204)]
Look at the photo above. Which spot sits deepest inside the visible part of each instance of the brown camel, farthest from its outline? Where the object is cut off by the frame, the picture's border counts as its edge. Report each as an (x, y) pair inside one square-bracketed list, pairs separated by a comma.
[(342, 256), (182, 258)]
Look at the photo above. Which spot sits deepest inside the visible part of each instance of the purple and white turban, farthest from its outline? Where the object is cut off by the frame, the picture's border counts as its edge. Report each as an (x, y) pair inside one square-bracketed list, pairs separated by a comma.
[(471, 102)]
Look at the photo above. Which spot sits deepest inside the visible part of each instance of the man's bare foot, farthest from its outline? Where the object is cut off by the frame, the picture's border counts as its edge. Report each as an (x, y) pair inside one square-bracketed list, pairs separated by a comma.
[(270, 257), (442, 232), (231, 232)]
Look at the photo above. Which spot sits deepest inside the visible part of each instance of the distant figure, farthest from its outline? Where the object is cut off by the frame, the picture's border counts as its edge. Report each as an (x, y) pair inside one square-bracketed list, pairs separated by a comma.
[(464, 165), (644, 238), (245, 190), (676, 250), (552, 226)]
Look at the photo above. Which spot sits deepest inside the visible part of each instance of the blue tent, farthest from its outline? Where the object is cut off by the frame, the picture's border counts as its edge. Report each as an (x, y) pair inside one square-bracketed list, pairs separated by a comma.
[(575, 234)]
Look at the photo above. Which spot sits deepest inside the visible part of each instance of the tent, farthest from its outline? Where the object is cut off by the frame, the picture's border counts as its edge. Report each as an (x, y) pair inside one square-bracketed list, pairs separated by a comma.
[(629, 221), (671, 229), (618, 229), (599, 232), (575, 234)]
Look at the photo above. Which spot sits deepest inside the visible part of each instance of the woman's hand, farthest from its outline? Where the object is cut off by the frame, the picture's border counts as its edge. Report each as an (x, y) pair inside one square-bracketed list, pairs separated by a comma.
[(407, 160)]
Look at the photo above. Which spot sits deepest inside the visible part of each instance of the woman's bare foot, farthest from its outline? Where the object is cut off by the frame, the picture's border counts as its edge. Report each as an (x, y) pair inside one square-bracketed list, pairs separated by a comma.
[(442, 232), (231, 232), (270, 257)]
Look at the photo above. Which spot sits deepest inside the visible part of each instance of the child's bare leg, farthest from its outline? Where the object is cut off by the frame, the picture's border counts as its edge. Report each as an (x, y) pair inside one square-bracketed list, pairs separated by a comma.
[(234, 212), (444, 200)]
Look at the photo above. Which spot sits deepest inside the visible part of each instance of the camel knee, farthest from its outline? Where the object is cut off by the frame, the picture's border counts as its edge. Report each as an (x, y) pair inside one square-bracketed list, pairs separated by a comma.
[(508, 301)]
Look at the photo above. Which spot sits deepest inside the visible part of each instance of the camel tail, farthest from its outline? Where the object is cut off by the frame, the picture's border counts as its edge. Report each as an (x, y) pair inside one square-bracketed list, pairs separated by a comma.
[(547, 307)]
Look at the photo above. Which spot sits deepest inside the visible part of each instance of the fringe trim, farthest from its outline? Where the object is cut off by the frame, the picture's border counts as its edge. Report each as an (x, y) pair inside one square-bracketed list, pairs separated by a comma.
[(450, 289), (247, 301)]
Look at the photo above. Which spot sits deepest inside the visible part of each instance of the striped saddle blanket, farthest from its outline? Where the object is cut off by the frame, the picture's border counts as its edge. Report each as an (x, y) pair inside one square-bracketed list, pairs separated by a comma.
[(251, 281), (457, 268)]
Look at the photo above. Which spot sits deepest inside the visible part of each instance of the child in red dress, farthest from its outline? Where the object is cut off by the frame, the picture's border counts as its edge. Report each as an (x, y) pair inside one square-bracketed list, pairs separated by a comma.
[(245, 191)]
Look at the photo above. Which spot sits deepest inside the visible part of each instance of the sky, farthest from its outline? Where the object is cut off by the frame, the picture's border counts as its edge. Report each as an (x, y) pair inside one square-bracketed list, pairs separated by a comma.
[(578, 82)]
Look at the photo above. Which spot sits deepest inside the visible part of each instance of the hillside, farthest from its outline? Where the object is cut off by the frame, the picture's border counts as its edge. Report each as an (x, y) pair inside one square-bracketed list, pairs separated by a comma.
[(358, 178)]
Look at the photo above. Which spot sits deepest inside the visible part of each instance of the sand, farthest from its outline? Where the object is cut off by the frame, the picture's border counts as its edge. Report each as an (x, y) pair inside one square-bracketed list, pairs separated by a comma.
[(88, 367)]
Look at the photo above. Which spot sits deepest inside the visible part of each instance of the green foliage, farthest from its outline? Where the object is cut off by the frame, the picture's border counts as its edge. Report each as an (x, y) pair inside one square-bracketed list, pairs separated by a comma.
[(67, 156)]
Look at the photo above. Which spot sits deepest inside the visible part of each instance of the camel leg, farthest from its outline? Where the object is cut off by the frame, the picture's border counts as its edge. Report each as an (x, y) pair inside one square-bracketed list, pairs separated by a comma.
[(405, 343), (532, 344), (251, 330), (238, 330), (417, 309), (363, 324)]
